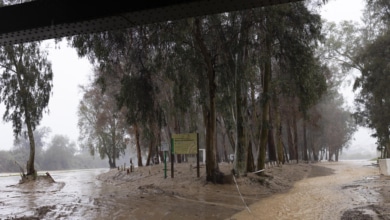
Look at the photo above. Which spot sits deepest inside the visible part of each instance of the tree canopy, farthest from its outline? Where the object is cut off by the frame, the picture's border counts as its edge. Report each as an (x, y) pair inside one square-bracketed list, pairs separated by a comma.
[(25, 89)]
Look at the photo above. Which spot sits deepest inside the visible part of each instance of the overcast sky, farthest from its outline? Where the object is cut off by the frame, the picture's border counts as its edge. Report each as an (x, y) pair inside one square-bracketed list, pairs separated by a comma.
[(70, 71)]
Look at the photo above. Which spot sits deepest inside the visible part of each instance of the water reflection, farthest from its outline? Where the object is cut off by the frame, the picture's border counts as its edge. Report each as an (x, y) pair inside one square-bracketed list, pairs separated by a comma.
[(72, 194)]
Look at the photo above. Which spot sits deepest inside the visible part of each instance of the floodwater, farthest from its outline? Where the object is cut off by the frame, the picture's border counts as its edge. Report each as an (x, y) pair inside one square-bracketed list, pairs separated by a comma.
[(323, 197), (78, 194), (73, 194)]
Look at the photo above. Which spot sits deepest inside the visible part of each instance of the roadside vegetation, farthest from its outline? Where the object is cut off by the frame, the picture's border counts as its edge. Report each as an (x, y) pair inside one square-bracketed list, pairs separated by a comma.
[(261, 85)]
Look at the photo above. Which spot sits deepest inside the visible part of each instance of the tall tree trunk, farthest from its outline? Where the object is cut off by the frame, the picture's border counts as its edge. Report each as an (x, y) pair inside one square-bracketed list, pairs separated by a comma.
[(232, 142), (250, 161), (315, 152), (31, 160), (30, 163), (295, 126), (291, 149), (305, 149), (240, 158), (139, 156), (212, 169), (211, 157), (330, 153), (113, 134), (113, 162), (112, 165), (271, 140), (150, 150), (279, 141), (265, 107), (226, 158)]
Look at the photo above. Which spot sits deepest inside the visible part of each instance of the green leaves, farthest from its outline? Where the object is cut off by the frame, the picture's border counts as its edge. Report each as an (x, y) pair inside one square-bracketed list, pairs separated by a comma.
[(25, 83)]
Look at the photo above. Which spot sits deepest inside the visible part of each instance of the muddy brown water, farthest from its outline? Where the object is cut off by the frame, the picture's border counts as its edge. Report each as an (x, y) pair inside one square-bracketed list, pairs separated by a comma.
[(73, 194), (79, 195), (336, 196)]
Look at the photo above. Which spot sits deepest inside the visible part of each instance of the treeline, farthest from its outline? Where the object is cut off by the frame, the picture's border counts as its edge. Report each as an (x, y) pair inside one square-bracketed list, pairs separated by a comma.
[(365, 47), (261, 84), (251, 83), (58, 154)]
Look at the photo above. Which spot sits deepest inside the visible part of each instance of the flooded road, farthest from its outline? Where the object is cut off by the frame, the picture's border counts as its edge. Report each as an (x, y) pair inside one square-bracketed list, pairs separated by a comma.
[(323, 197), (73, 194), (328, 191)]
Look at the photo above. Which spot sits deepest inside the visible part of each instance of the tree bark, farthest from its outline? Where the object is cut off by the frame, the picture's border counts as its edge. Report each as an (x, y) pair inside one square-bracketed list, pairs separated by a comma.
[(212, 169), (305, 155), (226, 158), (271, 140), (295, 126), (139, 156), (291, 149), (279, 141), (113, 134), (240, 158), (250, 161), (265, 108), (30, 163), (149, 153)]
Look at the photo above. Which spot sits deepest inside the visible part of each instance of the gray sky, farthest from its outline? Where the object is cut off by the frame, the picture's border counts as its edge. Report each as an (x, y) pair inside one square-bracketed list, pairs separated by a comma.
[(71, 71)]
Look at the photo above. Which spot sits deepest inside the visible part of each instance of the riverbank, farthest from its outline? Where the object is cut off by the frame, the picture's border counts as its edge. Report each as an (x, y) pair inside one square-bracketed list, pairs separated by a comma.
[(146, 194), (327, 190)]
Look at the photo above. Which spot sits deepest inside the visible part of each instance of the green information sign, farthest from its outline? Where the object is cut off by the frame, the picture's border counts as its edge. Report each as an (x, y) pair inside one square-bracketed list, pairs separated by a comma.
[(185, 143)]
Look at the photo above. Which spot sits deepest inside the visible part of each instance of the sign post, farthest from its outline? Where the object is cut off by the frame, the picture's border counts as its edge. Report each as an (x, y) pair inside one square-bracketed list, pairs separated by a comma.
[(172, 155), (197, 155), (186, 144)]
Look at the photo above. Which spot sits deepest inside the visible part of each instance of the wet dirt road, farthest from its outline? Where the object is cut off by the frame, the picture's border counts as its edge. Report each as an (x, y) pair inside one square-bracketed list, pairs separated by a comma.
[(336, 196), (349, 190)]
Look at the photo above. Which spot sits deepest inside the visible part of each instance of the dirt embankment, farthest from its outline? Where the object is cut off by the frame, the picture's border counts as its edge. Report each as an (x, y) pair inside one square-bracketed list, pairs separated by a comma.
[(185, 195)]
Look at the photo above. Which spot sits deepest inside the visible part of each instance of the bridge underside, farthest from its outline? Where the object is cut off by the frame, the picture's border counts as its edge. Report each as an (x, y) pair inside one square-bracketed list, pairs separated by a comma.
[(47, 19)]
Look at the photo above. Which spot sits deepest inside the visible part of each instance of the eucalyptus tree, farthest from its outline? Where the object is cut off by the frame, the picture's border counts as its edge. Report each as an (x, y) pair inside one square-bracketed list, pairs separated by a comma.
[(129, 55), (374, 96), (365, 48), (342, 44), (205, 43), (236, 65), (25, 89), (102, 125), (289, 38), (21, 145), (331, 125)]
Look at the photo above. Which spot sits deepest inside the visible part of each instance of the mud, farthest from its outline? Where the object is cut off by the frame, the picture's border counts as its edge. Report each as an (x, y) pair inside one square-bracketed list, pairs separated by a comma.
[(144, 194), (328, 190), (374, 192), (351, 192), (69, 197)]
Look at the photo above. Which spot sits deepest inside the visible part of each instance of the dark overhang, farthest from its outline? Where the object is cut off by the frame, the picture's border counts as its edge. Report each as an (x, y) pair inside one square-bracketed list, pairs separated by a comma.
[(47, 19)]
